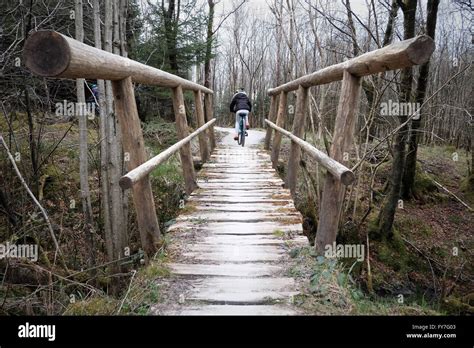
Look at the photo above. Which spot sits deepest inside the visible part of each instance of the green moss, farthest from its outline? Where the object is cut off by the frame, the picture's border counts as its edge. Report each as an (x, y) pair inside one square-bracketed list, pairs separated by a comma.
[(155, 270), (459, 306), (467, 187), (373, 226), (455, 219), (330, 290), (168, 188), (279, 233), (93, 306), (188, 209), (392, 252), (439, 251), (409, 224), (424, 184)]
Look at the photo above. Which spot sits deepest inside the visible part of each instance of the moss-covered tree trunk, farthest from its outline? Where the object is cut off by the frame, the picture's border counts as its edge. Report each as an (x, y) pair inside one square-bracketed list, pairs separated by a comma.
[(410, 164), (387, 213)]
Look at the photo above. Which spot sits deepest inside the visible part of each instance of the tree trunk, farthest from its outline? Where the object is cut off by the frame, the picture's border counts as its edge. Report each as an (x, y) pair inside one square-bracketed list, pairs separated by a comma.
[(104, 185), (170, 24), (209, 41), (410, 164), (387, 213), (208, 105), (83, 153), (31, 128)]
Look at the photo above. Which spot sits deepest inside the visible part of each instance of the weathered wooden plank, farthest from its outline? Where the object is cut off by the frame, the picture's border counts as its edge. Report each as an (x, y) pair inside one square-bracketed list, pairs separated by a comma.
[(209, 113), (217, 216), (298, 128), (270, 192), (236, 249), (269, 181), (134, 145), (240, 228), (182, 130), (245, 207), (256, 239), (203, 147), (280, 121), (333, 192), (233, 310), (271, 116), (225, 269), (242, 290)]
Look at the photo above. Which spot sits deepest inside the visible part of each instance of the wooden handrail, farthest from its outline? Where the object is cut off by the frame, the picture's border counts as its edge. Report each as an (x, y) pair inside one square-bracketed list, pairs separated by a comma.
[(338, 170), (51, 54), (392, 57), (135, 175)]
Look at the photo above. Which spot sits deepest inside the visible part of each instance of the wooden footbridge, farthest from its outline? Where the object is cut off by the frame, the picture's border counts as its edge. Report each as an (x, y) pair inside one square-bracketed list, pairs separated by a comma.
[(240, 216)]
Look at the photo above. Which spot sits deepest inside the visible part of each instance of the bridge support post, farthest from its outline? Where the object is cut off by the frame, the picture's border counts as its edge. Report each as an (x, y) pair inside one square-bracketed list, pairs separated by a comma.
[(298, 128), (203, 148), (271, 117), (280, 121), (333, 192), (182, 130), (209, 114), (134, 146)]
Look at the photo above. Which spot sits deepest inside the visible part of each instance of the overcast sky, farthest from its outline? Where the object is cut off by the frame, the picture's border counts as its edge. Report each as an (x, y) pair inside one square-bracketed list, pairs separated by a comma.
[(260, 7)]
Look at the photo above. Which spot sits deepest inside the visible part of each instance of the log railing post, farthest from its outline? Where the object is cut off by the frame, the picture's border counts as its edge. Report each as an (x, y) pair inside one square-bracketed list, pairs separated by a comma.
[(133, 144), (209, 113), (204, 150), (280, 121), (333, 192), (182, 130), (271, 117), (298, 128)]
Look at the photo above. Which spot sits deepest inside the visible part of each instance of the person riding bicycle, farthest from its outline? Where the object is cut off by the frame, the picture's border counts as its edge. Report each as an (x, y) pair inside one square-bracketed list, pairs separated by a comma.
[(242, 106)]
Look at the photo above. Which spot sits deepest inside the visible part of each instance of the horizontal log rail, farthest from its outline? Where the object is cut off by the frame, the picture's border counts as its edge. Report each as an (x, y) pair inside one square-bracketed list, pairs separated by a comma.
[(51, 54), (338, 170), (398, 55), (137, 174)]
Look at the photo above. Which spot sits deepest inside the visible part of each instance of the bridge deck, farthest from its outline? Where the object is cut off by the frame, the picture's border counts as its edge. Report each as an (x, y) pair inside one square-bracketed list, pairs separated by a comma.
[(238, 227)]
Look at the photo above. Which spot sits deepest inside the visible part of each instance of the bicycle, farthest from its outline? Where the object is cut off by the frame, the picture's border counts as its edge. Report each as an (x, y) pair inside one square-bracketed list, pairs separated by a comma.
[(242, 132)]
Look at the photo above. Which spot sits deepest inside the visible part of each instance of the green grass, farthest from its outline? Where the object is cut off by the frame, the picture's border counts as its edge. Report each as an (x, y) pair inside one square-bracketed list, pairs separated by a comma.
[(331, 290), (144, 292), (279, 233)]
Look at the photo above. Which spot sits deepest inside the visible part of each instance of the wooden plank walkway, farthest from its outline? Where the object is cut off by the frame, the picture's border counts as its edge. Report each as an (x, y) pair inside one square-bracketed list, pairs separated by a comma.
[(243, 222)]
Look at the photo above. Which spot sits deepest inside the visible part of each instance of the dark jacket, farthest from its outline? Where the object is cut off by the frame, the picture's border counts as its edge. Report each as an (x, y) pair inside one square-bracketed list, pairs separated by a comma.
[(240, 101)]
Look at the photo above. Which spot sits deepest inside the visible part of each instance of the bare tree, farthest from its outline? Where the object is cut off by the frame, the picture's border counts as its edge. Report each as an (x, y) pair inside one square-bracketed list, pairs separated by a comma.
[(410, 164), (387, 213)]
